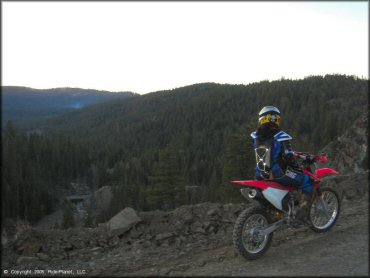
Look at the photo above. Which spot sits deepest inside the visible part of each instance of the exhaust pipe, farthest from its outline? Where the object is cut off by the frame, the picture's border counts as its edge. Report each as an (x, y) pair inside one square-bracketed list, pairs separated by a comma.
[(252, 193), (249, 193)]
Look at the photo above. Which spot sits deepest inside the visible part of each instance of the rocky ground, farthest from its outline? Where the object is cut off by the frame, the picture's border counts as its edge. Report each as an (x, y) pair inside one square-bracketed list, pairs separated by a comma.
[(197, 241)]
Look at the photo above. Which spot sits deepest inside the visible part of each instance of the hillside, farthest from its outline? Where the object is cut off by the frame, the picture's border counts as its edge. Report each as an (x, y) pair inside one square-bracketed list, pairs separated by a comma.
[(19, 104), (315, 109), (170, 148), (201, 123)]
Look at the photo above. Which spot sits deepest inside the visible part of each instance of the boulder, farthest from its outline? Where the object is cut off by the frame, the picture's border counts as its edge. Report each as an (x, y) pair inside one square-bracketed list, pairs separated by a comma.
[(184, 214), (122, 222)]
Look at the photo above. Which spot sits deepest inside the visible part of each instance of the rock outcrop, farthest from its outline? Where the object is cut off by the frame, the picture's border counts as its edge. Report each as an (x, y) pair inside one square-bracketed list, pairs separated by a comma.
[(349, 153)]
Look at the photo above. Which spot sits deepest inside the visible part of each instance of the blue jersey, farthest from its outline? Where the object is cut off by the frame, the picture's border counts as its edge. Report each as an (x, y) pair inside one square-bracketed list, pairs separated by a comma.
[(271, 155)]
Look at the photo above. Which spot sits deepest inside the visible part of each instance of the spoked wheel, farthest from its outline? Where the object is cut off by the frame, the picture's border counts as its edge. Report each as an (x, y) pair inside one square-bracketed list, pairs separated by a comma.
[(246, 237), (325, 210)]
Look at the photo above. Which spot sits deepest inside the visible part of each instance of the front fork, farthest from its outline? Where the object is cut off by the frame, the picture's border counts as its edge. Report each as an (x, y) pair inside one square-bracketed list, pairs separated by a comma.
[(324, 207)]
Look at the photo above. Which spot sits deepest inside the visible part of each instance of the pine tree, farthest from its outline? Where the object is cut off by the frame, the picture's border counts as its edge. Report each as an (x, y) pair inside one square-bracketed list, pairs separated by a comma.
[(238, 162), (88, 220), (168, 187), (68, 217)]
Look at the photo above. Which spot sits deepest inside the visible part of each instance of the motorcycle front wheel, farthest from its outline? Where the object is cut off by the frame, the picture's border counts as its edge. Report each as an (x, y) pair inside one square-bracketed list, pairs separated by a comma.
[(325, 210), (246, 238)]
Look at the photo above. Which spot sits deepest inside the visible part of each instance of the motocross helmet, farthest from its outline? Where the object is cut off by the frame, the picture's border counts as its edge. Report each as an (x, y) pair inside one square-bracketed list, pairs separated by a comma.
[(269, 114)]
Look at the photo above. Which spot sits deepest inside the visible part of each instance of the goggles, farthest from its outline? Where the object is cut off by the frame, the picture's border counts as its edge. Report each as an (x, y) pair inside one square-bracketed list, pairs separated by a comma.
[(269, 118)]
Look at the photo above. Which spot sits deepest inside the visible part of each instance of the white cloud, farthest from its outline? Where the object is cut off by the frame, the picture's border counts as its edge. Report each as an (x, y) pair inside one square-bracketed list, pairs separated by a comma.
[(149, 46)]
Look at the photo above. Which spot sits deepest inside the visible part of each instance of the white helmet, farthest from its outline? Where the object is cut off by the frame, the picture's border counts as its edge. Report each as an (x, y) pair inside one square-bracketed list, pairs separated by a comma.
[(268, 110), (269, 114)]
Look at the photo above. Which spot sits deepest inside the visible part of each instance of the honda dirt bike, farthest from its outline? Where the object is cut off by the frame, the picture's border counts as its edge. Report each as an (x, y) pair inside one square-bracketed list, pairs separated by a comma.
[(277, 206)]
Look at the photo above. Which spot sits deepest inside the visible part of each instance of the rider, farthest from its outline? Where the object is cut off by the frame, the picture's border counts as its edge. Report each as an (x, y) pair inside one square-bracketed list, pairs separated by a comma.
[(275, 157)]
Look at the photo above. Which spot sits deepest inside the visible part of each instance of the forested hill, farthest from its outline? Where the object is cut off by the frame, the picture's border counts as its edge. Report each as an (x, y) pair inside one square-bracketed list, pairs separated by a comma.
[(169, 148), (200, 117), (23, 103)]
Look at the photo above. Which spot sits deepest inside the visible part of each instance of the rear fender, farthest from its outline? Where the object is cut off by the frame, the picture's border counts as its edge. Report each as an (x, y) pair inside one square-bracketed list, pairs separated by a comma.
[(258, 184), (271, 193), (263, 184)]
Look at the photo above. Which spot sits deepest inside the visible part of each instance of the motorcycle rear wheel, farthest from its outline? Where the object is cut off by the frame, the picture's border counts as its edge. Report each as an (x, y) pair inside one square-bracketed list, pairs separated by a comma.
[(320, 222), (246, 240)]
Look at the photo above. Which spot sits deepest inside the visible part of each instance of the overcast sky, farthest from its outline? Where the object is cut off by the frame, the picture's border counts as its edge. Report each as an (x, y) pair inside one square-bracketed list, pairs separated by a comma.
[(150, 46)]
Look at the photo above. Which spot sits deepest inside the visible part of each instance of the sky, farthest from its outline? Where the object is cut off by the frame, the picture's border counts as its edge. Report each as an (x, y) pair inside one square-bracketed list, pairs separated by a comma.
[(150, 46)]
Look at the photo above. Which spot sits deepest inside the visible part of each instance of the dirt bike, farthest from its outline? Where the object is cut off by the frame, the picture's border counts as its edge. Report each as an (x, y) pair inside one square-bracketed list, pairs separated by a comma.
[(277, 205)]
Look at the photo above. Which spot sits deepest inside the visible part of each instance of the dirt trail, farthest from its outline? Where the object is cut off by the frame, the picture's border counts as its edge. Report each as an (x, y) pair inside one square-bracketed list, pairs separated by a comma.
[(343, 251)]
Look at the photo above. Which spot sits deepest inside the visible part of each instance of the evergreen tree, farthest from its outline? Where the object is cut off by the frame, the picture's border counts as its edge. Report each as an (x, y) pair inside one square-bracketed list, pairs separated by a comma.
[(88, 220), (238, 162), (68, 217), (167, 183)]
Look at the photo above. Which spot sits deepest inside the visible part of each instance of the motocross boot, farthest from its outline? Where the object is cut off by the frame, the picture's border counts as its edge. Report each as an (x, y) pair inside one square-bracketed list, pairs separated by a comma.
[(303, 210), (305, 200)]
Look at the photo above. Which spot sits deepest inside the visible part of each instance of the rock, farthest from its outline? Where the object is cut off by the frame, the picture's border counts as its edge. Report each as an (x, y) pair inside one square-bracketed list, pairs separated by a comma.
[(184, 213), (206, 224), (196, 227), (43, 257), (201, 263), (211, 229), (146, 244), (31, 248), (165, 244), (67, 246), (72, 254), (102, 242), (200, 230), (164, 236), (136, 232), (102, 198), (22, 260), (96, 249), (78, 244), (138, 243), (113, 241), (211, 212), (348, 154), (122, 222)]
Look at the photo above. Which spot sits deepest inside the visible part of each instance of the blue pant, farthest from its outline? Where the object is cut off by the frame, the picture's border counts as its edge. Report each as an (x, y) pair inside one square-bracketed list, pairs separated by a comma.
[(301, 181), (292, 178)]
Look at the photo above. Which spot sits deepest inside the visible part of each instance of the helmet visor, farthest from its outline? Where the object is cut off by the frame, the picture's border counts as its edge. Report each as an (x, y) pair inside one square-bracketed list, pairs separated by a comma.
[(269, 118)]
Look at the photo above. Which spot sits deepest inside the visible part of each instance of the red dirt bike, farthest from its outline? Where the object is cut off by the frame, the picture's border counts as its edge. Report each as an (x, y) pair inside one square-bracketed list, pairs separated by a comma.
[(277, 205)]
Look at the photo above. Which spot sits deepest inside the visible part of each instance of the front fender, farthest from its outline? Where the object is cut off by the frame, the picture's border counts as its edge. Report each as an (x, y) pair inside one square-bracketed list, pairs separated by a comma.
[(320, 173)]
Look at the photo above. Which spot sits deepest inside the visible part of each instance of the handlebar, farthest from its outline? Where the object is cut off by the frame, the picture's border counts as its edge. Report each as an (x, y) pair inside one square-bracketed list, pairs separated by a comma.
[(311, 158)]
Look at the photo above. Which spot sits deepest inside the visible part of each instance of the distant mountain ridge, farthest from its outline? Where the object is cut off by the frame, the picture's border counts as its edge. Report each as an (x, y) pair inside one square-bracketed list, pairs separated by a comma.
[(23, 103)]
